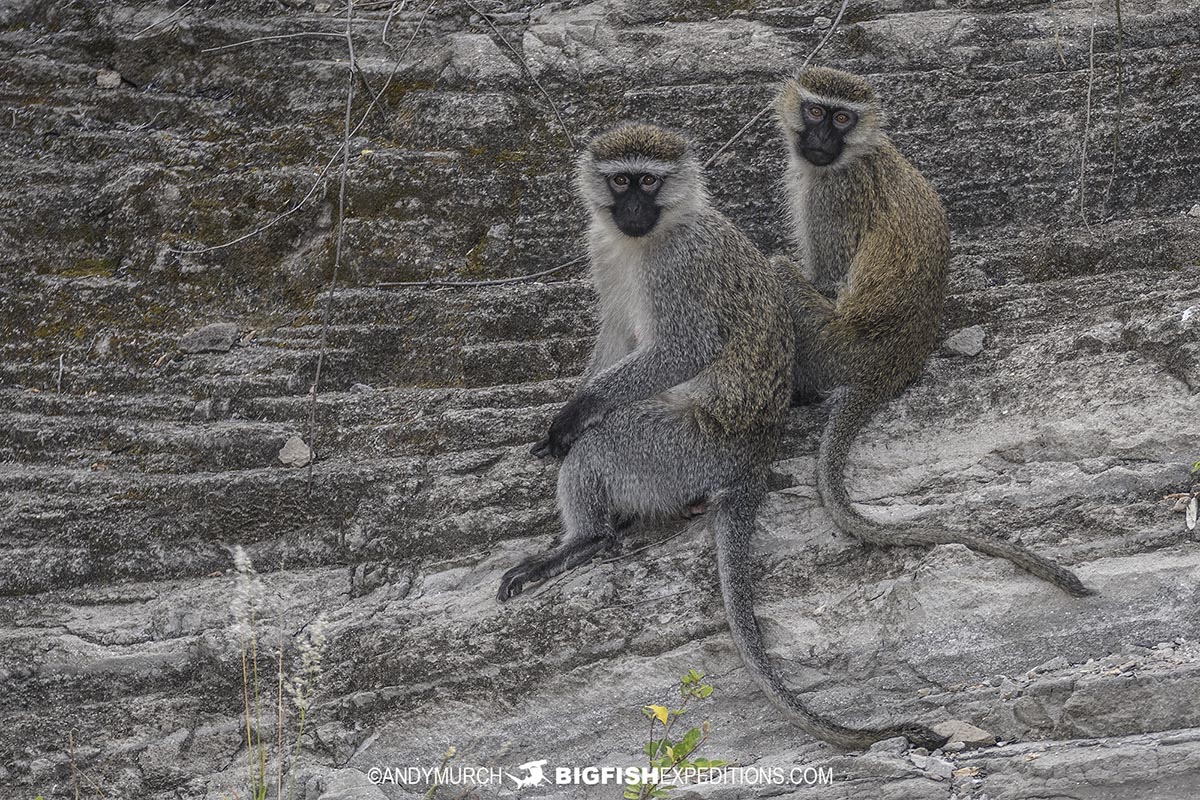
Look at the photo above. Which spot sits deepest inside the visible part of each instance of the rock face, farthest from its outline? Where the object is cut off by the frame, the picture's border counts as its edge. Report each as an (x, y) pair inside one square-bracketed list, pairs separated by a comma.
[(127, 472), (218, 337)]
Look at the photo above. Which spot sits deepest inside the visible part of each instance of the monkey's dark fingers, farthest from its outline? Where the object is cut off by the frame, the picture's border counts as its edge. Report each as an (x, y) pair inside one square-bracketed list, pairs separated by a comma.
[(557, 443), (513, 582), (551, 446)]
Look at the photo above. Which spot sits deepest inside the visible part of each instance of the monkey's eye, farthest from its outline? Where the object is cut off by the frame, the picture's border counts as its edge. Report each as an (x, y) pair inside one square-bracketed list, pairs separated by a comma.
[(649, 181), (619, 182), (816, 112), (842, 118)]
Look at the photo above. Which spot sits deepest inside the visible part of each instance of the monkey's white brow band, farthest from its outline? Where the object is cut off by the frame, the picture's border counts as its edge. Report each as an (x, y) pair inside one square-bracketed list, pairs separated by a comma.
[(834, 102), (636, 165)]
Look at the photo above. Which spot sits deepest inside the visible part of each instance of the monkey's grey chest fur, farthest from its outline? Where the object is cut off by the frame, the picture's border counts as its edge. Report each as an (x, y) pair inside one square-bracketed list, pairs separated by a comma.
[(826, 243)]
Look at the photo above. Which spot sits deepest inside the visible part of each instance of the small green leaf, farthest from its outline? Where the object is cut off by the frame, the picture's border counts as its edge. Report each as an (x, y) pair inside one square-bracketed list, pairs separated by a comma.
[(658, 712), (689, 741)]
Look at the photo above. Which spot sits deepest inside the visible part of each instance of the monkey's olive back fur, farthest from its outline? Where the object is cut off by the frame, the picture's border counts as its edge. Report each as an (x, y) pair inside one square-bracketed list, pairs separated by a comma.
[(874, 248)]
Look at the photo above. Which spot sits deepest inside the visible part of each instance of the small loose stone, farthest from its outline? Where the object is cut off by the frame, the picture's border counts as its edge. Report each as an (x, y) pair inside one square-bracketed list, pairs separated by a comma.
[(966, 342), (295, 453)]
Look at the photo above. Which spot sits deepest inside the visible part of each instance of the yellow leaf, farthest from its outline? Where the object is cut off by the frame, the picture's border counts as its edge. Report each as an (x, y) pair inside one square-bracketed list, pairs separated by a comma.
[(659, 712)]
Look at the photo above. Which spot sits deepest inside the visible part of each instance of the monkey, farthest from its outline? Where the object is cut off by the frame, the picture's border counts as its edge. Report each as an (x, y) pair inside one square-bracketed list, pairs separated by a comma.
[(875, 247), (687, 386)]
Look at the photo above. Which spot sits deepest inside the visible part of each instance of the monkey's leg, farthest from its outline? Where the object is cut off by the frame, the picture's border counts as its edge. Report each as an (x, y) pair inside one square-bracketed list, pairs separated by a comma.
[(553, 562), (638, 462), (819, 358), (589, 525)]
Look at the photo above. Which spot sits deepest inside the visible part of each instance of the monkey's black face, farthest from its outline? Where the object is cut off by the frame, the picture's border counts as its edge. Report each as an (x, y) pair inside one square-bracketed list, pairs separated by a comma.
[(824, 134), (634, 209)]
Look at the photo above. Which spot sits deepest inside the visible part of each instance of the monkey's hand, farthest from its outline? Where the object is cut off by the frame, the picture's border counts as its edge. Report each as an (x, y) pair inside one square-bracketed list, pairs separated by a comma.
[(580, 412)]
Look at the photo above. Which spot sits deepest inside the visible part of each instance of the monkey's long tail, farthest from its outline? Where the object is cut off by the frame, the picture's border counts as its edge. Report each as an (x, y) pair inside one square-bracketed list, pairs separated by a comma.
[(850, 409), (733, 524)]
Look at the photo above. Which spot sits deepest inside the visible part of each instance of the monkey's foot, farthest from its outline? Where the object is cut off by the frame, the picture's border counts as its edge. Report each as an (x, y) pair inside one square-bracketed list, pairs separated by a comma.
[(513, 582)]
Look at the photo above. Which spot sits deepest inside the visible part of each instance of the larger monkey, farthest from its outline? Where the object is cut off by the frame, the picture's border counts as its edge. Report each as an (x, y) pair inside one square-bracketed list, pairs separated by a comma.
[(689, 380), (875, 244)]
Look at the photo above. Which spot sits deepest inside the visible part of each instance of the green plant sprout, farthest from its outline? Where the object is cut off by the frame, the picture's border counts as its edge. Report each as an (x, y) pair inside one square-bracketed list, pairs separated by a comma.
[(667, 754)]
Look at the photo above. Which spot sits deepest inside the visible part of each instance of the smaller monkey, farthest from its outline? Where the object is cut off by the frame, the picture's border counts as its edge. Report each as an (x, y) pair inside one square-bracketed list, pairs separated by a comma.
[(689, 381), (874, 242)]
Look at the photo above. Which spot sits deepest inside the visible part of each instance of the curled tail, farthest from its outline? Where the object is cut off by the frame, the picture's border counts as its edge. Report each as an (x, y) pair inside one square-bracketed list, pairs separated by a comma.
[(733, 524), (850, 409)]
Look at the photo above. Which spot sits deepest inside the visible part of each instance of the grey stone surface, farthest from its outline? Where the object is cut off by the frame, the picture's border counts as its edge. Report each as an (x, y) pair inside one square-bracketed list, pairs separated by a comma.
[(965, 342), (122, 494), (351, 784), (964, 733), (217, 337)]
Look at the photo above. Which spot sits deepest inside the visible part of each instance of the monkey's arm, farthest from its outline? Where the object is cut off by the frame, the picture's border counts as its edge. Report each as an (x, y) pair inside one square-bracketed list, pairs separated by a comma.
[(669, 359), (643, 373), (881, 328), (897, 279)]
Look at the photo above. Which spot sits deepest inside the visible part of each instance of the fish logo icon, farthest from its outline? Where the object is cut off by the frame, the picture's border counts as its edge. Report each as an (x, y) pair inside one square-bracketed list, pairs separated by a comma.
[(535, 776)]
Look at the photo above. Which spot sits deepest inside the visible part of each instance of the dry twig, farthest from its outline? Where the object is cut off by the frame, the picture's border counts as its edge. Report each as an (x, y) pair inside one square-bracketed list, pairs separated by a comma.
[(162, 21), (528, 71), (1062, 58), (257, 39), (395, 9), (1087, 117), (1116, 146), (435, 283), (337, 248), (74, 769), (320, 180)]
